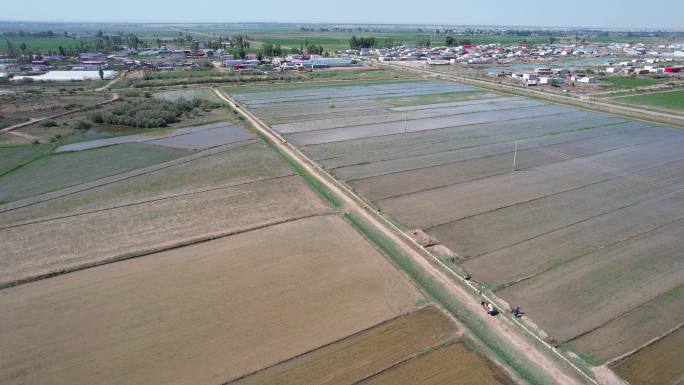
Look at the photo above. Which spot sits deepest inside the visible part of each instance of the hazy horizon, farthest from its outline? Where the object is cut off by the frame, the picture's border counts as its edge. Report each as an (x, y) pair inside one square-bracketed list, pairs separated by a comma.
[(609, 14)]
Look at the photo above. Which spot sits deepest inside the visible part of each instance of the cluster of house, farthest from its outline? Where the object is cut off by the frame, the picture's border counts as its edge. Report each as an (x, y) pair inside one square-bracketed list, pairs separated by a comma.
[(88, 61), (473, 54), (93, 61), (492, 53), (557, 76), (641, 49), (649, 66), (550, 76), (289, 63), (166, 53), (250, 62)]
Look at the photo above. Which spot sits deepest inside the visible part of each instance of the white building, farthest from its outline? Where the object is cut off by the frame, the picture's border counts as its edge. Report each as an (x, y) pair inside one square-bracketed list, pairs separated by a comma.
[(551, 80)]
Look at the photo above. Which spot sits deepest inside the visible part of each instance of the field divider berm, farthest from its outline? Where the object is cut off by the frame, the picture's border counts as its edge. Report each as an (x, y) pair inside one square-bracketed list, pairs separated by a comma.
[(518, 347)]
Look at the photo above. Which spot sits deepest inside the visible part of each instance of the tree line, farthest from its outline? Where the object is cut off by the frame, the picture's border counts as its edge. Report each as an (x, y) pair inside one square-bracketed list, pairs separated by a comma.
[(452, 42), (105, 43), (362, 42)]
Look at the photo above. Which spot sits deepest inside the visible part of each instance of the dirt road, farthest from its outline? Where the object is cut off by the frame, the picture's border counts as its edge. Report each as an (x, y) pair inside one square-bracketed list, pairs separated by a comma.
[(468, 296), (119, 76)]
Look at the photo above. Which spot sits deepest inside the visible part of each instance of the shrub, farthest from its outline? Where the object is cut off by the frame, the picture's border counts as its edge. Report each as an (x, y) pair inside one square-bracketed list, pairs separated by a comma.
[(81, 125), (149, 113), (49, 123), (132, 94)]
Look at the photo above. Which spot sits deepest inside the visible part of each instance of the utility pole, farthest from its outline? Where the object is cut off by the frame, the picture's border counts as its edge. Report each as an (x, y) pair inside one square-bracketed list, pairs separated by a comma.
[(405, 122), (331, 102)]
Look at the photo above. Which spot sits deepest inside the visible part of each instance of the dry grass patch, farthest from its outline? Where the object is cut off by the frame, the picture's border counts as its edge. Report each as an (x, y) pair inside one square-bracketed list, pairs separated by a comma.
[(453, 364), (658, 364), (67, 243), (363, 354), (202, 314)]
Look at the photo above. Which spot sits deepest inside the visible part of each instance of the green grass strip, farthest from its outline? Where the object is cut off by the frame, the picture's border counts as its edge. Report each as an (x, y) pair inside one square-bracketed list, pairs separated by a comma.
[(500, 347), (314, 183)]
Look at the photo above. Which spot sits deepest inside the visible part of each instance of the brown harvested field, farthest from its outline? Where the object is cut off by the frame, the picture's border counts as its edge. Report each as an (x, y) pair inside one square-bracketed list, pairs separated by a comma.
[(361, 355), (594, 288), (457, 144), (558, 211), (53, 245), (635, 328), (202, 314), (434, 207), (404, 182), (658, 364), (537, 254), (465, 144), (453, 364)]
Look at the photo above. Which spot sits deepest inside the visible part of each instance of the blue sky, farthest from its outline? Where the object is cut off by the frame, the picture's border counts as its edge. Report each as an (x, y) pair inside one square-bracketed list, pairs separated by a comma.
[(594, 13)]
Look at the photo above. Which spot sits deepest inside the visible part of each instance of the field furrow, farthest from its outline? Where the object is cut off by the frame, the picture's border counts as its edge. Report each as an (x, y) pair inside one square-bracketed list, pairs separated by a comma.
[(583, 294), (206, 313), (363, 354)]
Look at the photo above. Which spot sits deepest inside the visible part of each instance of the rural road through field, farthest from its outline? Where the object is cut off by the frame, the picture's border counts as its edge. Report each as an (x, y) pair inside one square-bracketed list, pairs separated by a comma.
[(546, 359), (119, 76)]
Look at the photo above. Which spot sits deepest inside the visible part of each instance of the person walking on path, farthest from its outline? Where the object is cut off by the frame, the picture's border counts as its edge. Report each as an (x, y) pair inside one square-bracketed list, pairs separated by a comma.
[(516, 312)]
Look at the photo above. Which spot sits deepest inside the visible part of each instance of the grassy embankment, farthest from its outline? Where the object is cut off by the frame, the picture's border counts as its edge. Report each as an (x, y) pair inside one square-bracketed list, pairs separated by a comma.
[(500, 347)]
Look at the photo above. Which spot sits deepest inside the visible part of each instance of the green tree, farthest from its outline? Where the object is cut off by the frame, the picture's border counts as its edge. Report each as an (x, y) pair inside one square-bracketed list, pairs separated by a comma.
[(268, 49), (362, 42), (10, 49)]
